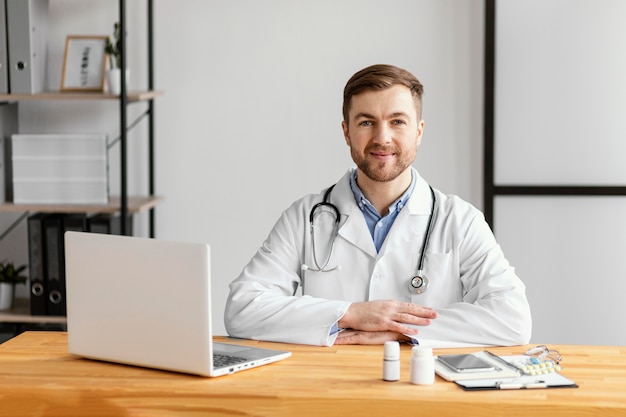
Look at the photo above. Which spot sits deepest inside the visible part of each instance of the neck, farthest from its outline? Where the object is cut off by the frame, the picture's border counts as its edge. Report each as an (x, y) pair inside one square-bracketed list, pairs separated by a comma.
[(382, 194)]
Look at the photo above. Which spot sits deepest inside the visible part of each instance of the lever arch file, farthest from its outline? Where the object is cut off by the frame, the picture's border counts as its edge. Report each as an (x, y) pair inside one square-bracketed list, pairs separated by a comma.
[(4, 64), (38, 292), (27, 29)]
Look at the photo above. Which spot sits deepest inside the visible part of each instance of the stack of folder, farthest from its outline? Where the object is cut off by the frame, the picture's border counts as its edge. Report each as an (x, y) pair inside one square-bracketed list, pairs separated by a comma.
[(46, 255)]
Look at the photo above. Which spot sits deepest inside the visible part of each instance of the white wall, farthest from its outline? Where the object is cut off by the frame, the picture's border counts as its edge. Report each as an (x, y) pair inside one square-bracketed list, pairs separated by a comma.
[(251, 119), (251, 115)]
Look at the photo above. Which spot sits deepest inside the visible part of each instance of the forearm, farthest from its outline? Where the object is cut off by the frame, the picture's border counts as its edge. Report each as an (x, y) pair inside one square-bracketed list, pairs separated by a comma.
[(502, 322), (263, 315)]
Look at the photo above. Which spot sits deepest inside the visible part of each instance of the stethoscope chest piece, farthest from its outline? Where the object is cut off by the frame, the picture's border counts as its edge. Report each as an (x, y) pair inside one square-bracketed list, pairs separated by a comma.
[(418, 284)]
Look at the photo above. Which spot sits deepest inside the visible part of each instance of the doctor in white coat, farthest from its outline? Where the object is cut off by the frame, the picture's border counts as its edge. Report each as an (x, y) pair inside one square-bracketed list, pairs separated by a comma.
[(355, 276)]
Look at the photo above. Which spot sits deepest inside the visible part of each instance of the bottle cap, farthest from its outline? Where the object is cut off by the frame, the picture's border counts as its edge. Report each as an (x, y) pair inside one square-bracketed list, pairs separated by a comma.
[(392, 350), (421, 351)]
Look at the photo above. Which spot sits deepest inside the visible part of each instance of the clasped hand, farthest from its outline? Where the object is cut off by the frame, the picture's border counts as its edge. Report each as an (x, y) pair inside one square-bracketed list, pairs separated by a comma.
[(375, 322)]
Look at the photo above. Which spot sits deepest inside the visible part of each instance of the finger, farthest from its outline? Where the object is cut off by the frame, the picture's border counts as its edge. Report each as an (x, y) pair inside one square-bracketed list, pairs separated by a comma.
[(419, 311), (403, 329), (369, 338), (407, 318)]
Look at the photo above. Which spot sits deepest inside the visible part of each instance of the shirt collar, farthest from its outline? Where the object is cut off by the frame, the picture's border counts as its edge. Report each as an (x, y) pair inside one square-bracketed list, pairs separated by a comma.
[(364, 203)]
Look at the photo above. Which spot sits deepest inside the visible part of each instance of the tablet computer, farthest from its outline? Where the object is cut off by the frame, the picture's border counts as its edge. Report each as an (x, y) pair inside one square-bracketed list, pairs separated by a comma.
[(466, 362)]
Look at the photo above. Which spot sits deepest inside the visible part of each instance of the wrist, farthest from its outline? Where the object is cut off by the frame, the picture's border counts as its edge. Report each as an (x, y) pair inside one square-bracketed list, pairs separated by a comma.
[(344, 321)]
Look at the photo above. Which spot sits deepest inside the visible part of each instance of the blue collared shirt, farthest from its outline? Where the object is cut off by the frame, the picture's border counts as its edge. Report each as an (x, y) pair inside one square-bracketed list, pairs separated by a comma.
[(379, 226)]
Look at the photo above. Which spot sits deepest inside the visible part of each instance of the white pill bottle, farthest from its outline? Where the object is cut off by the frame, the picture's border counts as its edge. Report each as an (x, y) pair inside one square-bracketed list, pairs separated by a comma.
[(422, 366), (391, 361)]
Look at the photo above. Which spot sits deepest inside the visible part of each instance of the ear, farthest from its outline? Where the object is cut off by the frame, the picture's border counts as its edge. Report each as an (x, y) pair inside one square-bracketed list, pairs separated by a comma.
[(346, 133), (420, 131)]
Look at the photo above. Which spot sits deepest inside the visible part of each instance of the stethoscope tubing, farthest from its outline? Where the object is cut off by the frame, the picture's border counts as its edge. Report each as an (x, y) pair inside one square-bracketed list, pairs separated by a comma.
[(429, 229), (420, 278), (324, 203)]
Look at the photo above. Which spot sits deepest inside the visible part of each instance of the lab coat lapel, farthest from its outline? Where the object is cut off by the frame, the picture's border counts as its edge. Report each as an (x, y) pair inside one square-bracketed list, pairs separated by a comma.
[(353, 227), (412, 221)]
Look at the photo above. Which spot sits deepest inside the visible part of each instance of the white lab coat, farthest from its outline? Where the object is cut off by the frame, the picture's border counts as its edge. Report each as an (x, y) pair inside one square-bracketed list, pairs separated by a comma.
[(477, 294)]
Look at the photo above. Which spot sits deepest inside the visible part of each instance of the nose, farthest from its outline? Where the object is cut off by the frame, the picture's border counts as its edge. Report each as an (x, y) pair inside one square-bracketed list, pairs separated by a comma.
[(382, 134)]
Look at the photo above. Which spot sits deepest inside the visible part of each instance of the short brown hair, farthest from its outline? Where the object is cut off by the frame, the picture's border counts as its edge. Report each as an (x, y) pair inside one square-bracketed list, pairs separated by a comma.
[(381, 77)]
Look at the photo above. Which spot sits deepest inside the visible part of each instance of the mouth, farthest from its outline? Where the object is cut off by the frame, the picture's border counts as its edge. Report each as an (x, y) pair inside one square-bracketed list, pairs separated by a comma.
[(382, 153)]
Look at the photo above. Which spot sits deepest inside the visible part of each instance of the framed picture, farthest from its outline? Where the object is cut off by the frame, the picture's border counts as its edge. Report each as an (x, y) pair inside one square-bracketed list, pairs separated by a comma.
[(84, 64)]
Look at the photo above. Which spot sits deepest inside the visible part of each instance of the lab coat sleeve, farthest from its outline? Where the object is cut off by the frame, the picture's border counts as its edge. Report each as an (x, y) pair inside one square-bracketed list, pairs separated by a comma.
[(263, 304), (494, 309)]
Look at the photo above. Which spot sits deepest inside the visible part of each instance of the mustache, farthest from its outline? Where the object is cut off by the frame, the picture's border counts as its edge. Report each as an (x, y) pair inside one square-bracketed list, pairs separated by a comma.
[(381, 149)]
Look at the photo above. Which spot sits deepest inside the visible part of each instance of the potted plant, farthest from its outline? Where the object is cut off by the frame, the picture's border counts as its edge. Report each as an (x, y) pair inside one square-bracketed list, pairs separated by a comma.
[(113, 51), (9, 276)]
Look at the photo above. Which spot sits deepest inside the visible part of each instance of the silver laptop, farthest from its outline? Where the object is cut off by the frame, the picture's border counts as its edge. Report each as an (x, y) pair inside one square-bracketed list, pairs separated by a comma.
[(147, 302)]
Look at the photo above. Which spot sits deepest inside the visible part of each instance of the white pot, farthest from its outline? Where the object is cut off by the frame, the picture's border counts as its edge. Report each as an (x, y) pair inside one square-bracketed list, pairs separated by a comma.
[(6, 295), (114, 82)]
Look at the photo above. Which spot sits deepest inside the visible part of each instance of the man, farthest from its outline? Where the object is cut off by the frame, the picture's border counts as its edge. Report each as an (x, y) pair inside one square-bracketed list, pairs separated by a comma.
[(346, 271)]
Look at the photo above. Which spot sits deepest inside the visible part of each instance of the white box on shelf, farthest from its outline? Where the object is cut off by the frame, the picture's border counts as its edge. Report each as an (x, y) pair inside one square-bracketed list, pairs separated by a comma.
[(60, 169)]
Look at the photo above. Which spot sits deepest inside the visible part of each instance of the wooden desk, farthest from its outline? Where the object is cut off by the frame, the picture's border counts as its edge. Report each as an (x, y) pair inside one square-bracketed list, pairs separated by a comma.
[(38, 377)]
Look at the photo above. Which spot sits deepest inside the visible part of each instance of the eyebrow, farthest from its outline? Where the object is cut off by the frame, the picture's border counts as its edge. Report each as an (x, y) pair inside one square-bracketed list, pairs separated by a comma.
[(369, 116)]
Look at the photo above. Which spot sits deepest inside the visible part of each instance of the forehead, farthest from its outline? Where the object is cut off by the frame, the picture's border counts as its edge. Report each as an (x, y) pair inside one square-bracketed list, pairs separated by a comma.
[(380, 103)]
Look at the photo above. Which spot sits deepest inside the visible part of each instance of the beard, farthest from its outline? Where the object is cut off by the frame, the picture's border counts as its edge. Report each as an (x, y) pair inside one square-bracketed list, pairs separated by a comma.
[(382, 171)]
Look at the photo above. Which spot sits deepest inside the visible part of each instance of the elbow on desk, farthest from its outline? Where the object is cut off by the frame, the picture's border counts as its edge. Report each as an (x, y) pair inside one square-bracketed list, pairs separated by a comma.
[(234, 321), (519, 338), (525, 326), (526, 333), (511, 327), (240, 319), (521, 331)]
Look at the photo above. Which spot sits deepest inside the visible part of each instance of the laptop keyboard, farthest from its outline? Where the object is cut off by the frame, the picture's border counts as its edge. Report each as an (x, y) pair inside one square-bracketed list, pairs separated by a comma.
[(220, 360)]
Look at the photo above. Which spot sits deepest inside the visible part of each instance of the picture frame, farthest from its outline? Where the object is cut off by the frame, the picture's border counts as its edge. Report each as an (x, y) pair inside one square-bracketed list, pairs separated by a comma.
[(84, 63)]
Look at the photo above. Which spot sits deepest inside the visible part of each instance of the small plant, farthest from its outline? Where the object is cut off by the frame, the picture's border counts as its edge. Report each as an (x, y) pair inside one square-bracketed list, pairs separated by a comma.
[(11, 274), (113, 49)]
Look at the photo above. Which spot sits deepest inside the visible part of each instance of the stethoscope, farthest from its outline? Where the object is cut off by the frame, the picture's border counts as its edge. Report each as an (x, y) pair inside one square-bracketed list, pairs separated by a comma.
[(417, 284)]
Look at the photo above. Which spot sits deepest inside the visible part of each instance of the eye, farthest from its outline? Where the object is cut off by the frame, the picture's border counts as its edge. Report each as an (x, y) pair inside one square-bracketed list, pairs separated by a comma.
[(365, 123), (398, 122)]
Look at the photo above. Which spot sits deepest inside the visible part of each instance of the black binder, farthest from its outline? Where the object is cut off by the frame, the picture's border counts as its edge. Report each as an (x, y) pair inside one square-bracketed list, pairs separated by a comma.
[(109, 224), (54, 271), (38, 293), (55, 226), (75, 222)]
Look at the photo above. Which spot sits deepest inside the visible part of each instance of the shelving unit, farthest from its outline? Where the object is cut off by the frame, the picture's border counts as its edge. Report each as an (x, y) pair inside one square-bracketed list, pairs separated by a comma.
[(123, 203), (132, 96), (20, 313), (136, 204)]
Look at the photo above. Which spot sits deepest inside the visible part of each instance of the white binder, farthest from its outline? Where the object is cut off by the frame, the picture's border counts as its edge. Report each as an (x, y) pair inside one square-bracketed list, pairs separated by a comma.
[(4, 64), (27, 24), (8, 127)]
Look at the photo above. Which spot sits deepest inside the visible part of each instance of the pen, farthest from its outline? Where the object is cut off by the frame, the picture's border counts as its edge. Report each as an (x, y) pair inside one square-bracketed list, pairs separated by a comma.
[(519, 385)]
